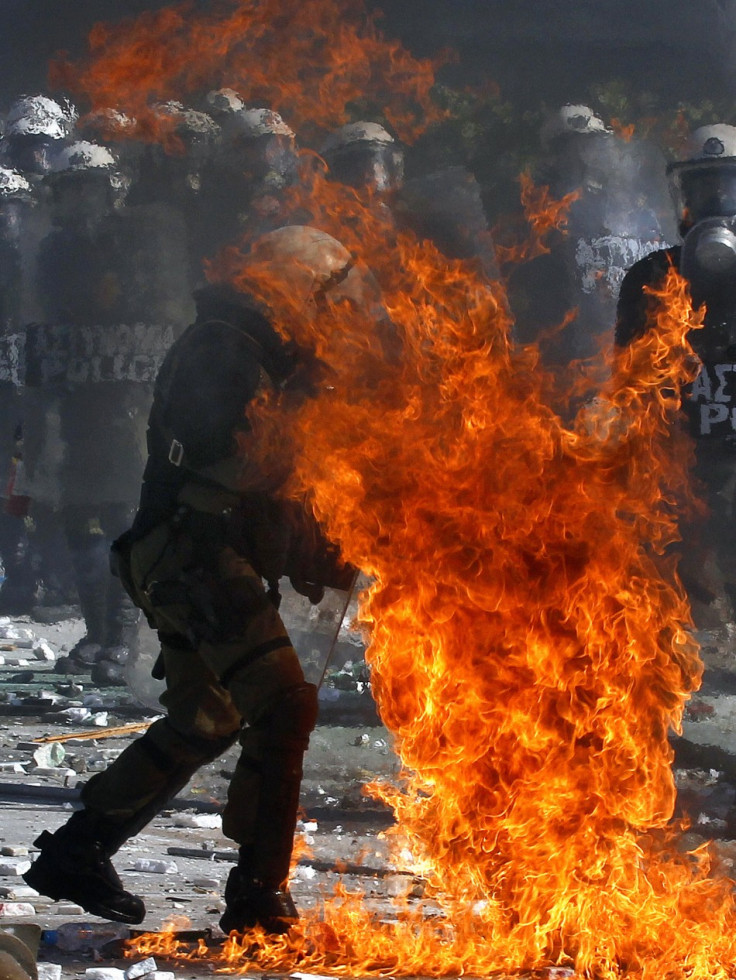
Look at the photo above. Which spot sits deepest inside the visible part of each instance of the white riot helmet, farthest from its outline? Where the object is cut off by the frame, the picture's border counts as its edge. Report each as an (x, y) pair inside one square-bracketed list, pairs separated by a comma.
[(85, 171), (258, 142), (572, 118), (13, 186), (81, 156), (38, 115), (33, 126), (222, 102), (704, 182), (364, 154)]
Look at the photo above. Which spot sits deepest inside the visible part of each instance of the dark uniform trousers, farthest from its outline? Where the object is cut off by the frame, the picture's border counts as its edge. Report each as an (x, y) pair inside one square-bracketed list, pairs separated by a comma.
[(231, 672)]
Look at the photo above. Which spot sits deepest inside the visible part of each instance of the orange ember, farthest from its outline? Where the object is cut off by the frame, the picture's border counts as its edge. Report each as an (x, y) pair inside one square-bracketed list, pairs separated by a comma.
[(530, 641)]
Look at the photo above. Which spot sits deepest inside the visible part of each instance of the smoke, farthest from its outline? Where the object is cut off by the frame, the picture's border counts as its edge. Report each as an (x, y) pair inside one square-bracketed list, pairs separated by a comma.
[(537, 50)]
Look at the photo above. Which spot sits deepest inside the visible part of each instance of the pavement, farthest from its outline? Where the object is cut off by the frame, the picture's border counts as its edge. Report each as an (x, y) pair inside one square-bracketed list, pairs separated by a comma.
[(56, 730)]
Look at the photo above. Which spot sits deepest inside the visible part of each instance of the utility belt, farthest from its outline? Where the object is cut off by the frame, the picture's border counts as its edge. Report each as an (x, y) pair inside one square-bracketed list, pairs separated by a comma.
[(278, 539)]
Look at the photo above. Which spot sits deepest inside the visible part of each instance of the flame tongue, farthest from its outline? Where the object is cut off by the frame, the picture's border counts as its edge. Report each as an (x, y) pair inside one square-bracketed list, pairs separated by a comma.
[(529, 637), (288, 57)]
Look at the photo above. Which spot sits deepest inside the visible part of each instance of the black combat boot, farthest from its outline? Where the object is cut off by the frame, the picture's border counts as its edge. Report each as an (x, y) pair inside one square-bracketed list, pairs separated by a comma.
[(271, 769), (91, 569), (120, 640), (74, 864), (252, 902)]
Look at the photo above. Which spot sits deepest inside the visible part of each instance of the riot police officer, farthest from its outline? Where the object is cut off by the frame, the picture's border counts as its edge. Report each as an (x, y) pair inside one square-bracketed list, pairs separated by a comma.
[(203, 558), (621, 211), (704, 186), (112, 282)]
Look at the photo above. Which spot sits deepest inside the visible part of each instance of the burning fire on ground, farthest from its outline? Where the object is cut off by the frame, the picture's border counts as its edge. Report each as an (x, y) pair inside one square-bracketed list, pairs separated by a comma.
[(530, 641)]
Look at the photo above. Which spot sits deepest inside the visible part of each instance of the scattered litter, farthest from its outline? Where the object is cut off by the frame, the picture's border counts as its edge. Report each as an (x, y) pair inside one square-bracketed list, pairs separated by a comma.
[(16, 893), (309, 976), (14, 865), (60, 771), (403, 886), (74, 714), (207, 884), (156, 867), (141, 968), (69, 908), (210, 821), (49, 971), (17, 908), (43, 651), (73, 936), (18, 636), (50, 755)]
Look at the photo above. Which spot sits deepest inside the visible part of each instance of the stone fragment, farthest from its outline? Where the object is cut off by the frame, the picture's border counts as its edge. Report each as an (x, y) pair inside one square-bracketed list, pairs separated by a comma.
[(18, 892), (49, 971), (152, 866), (43, 651), (207, 884), (17, 634), (14, 850), (14, 865), (210, 821), (141, 968), (59, 771), (49, 754), (74, 714), (16, 908), (403, 886), (104, 973)]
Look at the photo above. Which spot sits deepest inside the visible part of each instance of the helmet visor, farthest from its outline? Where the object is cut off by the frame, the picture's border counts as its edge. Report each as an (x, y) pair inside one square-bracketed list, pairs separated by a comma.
[(705, 189)]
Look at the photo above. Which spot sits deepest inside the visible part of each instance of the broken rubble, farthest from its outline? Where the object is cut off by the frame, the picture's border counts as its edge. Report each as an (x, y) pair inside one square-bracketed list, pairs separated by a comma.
[(17, 908), (141, 968), (14, 865), (156, 867), (49, 971), (104, 973), (50, 754)]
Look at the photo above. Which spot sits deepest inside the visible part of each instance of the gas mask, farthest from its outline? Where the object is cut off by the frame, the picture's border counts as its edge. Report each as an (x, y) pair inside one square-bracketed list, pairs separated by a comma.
[(705, 192)]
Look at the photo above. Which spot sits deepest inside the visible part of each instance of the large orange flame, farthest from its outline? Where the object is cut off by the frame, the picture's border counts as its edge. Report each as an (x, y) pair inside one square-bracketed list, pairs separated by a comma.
[(530, 641), (291, 57)]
